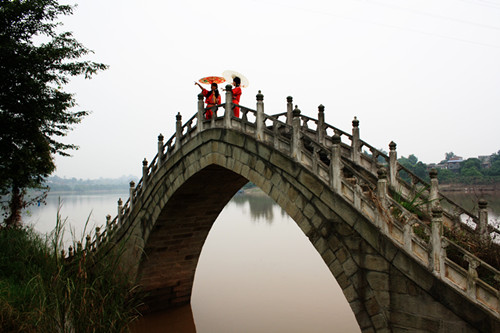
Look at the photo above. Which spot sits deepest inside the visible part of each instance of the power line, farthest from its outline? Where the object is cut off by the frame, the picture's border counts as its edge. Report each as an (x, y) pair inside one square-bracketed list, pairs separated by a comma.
[(418, 12), (482, 3), (302, 9)]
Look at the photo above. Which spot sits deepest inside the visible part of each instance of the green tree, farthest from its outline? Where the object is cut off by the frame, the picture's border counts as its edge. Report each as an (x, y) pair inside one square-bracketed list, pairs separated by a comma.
[(448, 156), (415, 166), (34, 110), (446, 176), (494, 170), (471, 163)]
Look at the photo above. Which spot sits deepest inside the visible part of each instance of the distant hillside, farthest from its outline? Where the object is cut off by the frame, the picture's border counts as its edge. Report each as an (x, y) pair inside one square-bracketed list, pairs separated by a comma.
[(58, 184)]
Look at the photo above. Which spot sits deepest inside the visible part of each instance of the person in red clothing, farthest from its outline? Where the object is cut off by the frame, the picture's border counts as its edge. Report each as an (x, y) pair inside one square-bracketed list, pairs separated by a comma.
[(212, 98), (236, 95)]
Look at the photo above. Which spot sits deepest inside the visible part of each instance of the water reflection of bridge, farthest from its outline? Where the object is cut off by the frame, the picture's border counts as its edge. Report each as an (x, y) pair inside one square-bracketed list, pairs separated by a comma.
[(396, 268)]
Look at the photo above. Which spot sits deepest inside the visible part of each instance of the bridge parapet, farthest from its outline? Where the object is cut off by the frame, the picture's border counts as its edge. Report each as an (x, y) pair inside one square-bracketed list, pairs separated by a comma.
[(359, 177)]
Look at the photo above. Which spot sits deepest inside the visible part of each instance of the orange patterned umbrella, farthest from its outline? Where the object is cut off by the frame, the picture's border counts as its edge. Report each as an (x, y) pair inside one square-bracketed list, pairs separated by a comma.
[(212, 79)]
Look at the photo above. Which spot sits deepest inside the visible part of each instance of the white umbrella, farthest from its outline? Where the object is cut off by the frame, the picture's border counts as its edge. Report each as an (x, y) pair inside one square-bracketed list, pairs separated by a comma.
[(230, 75)]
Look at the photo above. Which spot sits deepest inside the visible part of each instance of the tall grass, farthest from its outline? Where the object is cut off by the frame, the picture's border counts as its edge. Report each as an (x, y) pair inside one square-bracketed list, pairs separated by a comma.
[(41, 291)]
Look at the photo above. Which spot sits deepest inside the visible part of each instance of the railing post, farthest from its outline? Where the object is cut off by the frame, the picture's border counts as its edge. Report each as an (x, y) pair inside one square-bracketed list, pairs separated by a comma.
[(482, 227), (355, 144), (442, 258), (97, 236), (120, 211), (436, 236), (382, 186), (160, 149), (382, 196), (321, 124), (178, 130), (260, 116), (108, 225), (87, 242), (296, 146), (144, 173), (200, 116), (471, 275), (407, 235), (393, 164), (433, 195), (131, 194), (229, 106), (335, 164), (433, 191), (289, 110)]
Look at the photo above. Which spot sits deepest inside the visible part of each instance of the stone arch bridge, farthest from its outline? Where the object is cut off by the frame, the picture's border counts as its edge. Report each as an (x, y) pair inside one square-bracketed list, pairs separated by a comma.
[(400, 267)]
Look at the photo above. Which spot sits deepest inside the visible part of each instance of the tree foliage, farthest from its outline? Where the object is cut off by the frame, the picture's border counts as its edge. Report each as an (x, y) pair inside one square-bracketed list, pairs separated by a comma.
[(470, 172), (36, 61)]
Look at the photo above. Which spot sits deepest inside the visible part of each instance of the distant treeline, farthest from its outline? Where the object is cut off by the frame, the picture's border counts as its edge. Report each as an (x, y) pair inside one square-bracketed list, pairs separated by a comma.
[(471, 171), (57, 184)]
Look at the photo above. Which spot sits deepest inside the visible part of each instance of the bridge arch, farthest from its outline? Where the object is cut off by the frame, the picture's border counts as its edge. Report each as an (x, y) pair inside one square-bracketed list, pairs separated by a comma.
[(384, 287), (399, 271)]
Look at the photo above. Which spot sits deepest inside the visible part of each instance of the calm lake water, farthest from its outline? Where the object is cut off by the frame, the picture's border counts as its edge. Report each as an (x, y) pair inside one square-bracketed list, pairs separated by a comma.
[(257, 271)]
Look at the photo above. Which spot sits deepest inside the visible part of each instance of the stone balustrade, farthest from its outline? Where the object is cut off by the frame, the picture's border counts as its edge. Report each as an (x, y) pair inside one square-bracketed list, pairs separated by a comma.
[(373, 187)]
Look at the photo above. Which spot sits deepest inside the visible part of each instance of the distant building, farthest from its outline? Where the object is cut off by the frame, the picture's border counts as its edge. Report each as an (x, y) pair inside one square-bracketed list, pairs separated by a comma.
[(436, 166), (485, 161), (454, 163)]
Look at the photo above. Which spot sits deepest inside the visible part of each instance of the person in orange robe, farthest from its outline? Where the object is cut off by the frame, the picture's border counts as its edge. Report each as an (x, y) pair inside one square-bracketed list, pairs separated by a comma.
[(236, 95), (212, 98)]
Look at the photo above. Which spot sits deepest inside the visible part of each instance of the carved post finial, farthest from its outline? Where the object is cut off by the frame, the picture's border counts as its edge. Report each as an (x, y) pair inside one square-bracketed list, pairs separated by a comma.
[(97, 235), (259, 96), (381, 172), (355, 122), (108, 223), (296, 112)]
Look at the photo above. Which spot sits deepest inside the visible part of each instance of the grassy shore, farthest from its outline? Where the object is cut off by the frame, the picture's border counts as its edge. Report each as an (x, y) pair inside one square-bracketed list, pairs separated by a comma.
[(41, 291)]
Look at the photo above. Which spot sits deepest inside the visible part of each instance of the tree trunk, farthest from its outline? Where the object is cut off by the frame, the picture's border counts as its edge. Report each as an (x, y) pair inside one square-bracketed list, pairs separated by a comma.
[(16, 204)]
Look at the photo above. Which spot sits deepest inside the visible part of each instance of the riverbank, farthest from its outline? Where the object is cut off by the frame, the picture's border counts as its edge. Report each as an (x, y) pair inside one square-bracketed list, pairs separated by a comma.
[(40, 291), (470, 188)]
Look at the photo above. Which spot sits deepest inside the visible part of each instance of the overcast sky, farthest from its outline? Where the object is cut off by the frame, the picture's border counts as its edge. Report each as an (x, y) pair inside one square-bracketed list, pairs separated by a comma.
[(423, 73)]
